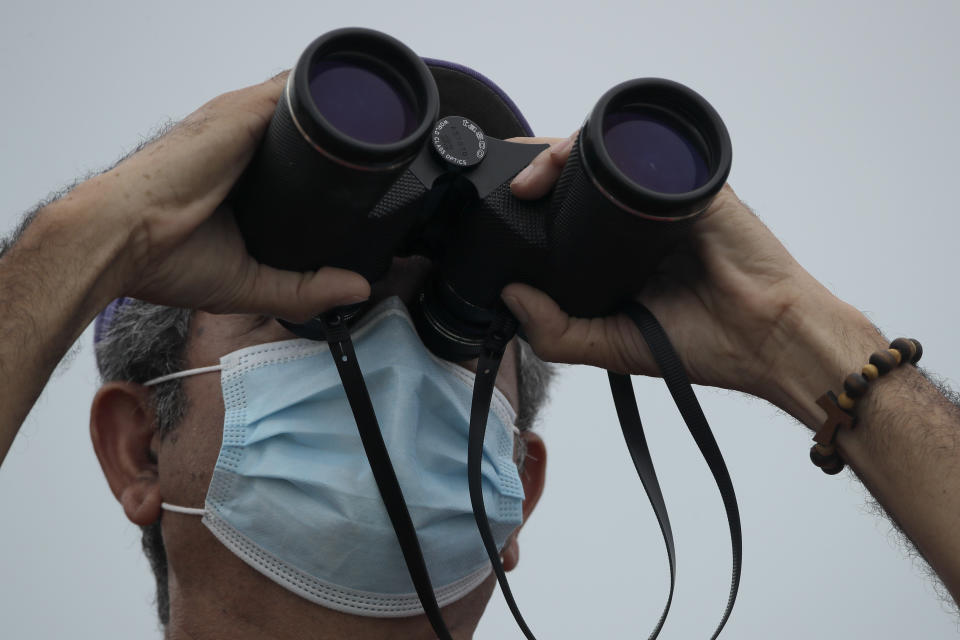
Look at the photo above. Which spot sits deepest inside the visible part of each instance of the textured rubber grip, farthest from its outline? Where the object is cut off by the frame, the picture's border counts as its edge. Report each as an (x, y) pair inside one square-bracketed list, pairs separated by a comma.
[(497, 241)]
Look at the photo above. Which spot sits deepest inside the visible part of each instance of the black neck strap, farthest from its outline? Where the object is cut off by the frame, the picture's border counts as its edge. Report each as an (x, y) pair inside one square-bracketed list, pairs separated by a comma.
[(626, 403), (503, 329), (341, 349), (673, 373), (629, 415)]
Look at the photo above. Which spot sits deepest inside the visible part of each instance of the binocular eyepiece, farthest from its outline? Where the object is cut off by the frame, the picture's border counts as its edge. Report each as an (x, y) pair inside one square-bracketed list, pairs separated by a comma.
[(360, 165), (362, 99)]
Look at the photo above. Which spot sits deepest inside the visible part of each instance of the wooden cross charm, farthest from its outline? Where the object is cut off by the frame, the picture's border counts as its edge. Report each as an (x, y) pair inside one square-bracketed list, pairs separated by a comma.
[(836, 418)]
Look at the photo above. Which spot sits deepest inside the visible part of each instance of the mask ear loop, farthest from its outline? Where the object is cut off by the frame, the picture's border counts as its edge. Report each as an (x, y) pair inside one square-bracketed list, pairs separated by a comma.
[(335, 329), (503, 329)]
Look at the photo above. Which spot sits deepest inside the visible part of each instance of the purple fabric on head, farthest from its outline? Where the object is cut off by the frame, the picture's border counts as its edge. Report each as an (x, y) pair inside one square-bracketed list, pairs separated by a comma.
[(487, 81), (105, 318), (103, 321)]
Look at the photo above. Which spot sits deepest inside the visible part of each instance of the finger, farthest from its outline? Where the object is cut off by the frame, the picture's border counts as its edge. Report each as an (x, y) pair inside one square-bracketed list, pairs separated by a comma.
[(612, 343), (299, 296), (540, 175), (269, 90), (279, 81), (195, 164), (254, 105), (535, 140)]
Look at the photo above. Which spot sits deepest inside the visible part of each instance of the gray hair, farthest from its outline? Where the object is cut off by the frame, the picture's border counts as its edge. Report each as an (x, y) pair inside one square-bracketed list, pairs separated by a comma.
[(146, 341)]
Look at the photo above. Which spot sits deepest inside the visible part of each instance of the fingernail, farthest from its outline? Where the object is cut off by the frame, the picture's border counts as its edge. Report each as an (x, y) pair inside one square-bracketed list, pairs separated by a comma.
[(524, 175), (516, 309), (350, 300), (563, 147)]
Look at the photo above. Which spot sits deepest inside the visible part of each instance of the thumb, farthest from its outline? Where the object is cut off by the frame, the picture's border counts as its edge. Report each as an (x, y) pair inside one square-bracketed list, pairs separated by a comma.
[(613, 343), (297, 297)]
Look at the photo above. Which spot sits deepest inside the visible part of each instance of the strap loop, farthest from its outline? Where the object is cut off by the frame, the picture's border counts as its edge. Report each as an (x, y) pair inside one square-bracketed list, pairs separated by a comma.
[(678, 383), (626, 403)]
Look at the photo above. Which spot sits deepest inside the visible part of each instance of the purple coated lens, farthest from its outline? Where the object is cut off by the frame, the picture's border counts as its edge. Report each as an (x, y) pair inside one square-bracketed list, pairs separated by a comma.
[(361, 101), (652, 152)]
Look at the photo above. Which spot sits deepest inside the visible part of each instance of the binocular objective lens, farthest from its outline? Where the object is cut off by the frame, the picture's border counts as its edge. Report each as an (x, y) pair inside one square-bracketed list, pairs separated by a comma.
[(362, 100), (653, 152)]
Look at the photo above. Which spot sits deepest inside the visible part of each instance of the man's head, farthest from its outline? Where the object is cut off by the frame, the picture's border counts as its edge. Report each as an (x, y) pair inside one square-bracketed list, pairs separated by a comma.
[(161, 443)]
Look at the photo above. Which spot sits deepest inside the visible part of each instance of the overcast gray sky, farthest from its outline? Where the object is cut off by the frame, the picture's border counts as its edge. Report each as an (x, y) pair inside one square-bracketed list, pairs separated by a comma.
[(844, 127)]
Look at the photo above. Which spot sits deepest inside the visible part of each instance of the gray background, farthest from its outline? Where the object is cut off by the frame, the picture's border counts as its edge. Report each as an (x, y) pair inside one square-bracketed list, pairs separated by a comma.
[(845, 135)]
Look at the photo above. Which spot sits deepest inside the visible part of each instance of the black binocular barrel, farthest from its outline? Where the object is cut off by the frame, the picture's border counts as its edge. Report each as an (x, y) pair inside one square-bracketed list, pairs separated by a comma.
[(650, 158), (357, 109), (331, 185), (647, 163)]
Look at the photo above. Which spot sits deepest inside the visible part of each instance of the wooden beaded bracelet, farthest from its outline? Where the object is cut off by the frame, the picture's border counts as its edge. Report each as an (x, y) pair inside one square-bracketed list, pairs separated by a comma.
[(839, 410)]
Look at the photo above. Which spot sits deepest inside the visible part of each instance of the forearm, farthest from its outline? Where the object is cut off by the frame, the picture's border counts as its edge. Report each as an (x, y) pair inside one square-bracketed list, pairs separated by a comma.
[(906, 444), (53, 280)]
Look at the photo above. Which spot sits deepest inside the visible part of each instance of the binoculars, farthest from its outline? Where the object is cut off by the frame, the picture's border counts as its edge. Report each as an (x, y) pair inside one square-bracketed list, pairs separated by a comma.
[(359, 166)]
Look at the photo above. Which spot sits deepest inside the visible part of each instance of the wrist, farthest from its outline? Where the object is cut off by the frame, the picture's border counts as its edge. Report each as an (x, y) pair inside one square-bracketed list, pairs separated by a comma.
[(825, 339)]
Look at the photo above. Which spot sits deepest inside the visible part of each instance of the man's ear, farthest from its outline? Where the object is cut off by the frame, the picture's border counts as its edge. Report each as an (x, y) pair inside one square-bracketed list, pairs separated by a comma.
[(123, 430), (533, 475)]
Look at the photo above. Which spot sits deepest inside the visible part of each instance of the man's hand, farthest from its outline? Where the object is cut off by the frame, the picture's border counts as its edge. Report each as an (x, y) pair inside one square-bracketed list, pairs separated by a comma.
[(731, 298), (744, 315), (184, 248)]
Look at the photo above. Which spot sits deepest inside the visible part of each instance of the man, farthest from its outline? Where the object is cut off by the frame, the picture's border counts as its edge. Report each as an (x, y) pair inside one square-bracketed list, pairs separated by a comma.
[(741, 312), (161, 444)]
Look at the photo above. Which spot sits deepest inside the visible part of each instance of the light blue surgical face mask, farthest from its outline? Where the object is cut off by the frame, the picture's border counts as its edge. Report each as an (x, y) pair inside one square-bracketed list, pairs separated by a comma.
[(292, 493)]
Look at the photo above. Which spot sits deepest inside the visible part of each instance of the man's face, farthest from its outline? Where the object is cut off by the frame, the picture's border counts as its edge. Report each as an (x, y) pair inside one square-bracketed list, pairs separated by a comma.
[(187, 456)]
